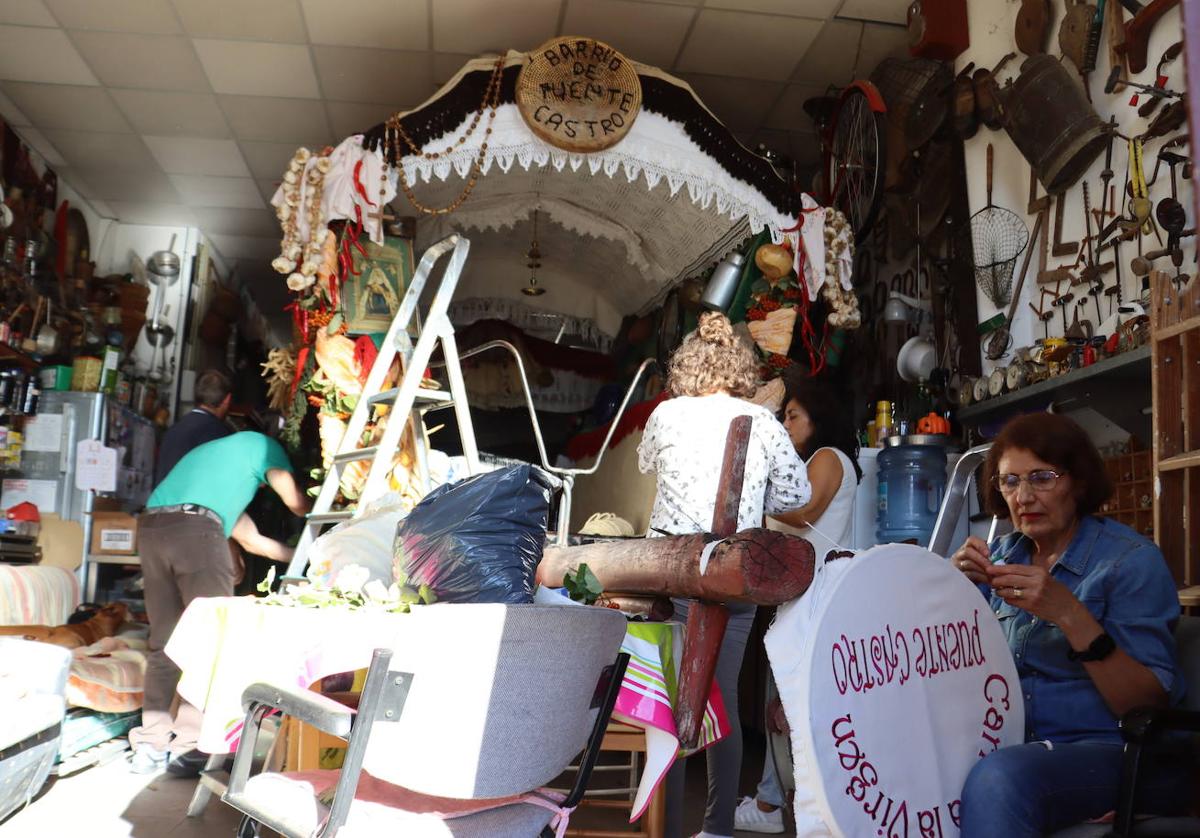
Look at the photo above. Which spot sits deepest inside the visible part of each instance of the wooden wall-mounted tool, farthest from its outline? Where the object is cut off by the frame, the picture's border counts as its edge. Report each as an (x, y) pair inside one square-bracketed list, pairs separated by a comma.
[(1033, 25), (1138, 29)]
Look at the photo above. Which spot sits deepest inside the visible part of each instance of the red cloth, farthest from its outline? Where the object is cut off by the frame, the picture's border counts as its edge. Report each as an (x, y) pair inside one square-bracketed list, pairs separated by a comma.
[(588, 444), (24, 511)]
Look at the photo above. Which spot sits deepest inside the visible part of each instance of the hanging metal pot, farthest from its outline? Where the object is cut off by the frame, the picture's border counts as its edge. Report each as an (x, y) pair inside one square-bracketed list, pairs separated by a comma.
[(1052, 123)]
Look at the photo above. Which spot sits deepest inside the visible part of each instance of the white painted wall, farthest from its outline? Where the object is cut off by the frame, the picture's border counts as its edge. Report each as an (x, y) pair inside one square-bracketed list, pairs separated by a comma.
[(991, 30)]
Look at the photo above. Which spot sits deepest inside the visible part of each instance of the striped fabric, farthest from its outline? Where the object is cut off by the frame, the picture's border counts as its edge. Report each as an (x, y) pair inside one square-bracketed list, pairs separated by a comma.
[(36, 595), (108, 675)]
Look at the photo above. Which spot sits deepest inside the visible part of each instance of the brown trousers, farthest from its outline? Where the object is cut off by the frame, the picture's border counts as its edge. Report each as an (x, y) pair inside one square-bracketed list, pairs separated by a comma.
[(184, 556)]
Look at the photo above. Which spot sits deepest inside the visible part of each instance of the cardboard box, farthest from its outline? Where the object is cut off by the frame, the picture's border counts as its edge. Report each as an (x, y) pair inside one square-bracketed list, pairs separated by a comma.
[(114, 533)]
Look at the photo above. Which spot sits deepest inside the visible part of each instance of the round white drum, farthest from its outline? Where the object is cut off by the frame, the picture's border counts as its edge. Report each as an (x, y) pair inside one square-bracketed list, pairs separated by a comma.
[(896, 679)]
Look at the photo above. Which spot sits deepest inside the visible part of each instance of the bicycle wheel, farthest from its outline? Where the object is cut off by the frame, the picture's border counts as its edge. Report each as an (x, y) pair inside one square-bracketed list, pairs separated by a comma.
[(857, 158)]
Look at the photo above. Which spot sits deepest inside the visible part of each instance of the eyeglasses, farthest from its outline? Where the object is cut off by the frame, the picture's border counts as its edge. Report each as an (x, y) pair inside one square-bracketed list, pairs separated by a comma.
[(1042, 480)]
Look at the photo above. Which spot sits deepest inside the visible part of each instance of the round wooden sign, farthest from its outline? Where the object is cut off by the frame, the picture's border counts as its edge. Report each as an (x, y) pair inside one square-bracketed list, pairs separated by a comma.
[(579, 94)]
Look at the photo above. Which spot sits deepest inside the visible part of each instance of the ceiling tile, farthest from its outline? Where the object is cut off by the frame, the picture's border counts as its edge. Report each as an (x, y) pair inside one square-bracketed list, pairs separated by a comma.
[(112, 185), (11, 113), (885, 11), (264, 20), (267, 160), (67, 106), (116, 152), (45, 55), (174, 114), (102, 208), (26, 13), (819, 9), (746, 46), (830, 59), (157, 62), (239, 222), (193, 156), (38, 141), (354, 117), (400, 79), (788, 113), (131, 212), (268, 188), (644, 32), (208, 191), (738, 103), (446, 65), (880, 42), (258, 69), (523, 25), (298, 121), (154, 17), (257, 248), (391, 24)]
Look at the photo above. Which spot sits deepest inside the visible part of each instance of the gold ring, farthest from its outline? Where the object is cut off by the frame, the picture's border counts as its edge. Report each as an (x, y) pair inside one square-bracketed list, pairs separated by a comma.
[(1016, 593)]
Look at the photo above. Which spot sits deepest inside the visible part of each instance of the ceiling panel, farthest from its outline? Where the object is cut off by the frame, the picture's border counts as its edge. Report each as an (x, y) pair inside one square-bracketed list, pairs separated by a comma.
[(267, 188), (44, 55), (157, 62), (391, 24), (173, 114), (818, 9), (747, 46), (830, 59), (458, 25), (208, 191), (354, 117), (645, 32), (113, 185), (154, 17), (296, 121), (123, 153), (10, 112), (67, 106), (193, 156), (884, 11), (372, 75), (446, 65), (739, 103), (267, 160), (264, 20), (146, 212), (258, 69), (26, 13), (42, 145), (259, 248), (240, 222)]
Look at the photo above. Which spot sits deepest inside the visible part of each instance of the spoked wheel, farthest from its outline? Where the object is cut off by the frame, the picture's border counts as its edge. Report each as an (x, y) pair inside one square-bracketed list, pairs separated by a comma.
[(857, 158)]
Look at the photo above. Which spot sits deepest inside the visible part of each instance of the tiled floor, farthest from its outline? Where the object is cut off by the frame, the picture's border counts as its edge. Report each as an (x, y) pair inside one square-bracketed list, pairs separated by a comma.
[(108, 802)]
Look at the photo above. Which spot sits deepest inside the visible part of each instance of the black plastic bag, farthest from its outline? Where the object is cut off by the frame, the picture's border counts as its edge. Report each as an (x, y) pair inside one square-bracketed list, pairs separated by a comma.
[(478, 540)]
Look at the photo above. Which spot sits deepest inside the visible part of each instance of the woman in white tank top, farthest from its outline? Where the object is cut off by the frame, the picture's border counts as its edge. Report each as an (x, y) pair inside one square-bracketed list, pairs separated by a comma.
[(824, 436)]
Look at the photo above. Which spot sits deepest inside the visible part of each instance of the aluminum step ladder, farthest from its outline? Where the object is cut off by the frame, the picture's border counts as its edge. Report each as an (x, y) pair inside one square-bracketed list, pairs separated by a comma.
[(954, 499), (409, 400)]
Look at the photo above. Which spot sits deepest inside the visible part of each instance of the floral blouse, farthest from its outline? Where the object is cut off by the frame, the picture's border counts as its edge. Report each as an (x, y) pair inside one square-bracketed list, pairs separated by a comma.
[(684, 445)]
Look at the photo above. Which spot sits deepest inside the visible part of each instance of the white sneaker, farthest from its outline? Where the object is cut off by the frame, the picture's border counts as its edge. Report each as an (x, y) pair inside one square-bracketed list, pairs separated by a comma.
[(749, 818)]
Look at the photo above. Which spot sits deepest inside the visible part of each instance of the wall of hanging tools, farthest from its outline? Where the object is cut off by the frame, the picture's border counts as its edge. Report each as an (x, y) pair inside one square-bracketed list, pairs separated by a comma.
[(1080, 178)]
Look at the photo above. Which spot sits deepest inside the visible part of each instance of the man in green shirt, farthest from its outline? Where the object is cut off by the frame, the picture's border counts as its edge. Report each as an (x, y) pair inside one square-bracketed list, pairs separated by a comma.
[(182, 541)]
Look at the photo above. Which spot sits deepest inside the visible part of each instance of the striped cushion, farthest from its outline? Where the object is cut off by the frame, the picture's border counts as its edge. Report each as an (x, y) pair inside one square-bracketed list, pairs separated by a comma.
[(112, 682), (36, 595)]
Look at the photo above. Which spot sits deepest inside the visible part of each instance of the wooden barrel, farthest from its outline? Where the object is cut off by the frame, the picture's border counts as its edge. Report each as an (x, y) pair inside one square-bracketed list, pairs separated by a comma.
[(1051, 121)]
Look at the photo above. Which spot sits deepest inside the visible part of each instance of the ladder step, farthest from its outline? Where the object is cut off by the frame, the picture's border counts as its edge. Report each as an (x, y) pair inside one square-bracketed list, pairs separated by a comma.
[(318, 518), (424, 396), (355, 455)]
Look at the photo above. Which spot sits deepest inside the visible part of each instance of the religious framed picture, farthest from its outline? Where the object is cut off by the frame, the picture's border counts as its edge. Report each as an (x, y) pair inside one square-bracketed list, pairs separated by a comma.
[(372, 297)]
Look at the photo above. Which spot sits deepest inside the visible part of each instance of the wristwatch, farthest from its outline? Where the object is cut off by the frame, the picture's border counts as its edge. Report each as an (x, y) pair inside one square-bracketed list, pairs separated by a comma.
[(1097, 650)]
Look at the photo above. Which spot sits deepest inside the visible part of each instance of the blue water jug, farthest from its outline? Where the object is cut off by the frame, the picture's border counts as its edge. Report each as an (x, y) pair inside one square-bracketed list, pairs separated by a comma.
[(912, 480)]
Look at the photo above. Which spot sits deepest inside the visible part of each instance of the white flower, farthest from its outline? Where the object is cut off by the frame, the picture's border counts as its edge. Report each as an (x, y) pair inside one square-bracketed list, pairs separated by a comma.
[(282, 264), (299, 282), (351, 578), (375, 591)]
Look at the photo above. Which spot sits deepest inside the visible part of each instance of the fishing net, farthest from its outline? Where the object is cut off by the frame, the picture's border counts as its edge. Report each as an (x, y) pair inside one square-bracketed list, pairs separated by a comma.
[(994, 238)]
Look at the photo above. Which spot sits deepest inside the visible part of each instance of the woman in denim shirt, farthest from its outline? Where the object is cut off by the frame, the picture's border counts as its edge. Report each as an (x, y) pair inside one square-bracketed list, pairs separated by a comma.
[(1088, 607)]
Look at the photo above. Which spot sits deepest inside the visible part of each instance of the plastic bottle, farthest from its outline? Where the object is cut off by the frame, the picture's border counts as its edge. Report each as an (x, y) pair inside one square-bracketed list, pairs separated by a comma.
[(912, 481), (883, 421)]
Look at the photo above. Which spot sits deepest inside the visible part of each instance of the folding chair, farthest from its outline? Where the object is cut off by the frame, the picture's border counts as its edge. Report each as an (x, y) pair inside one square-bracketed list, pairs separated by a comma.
[(469, 710)]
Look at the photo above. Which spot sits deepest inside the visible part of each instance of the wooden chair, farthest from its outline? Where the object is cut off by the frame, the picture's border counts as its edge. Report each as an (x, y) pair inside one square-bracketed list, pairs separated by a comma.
[(625, 738)]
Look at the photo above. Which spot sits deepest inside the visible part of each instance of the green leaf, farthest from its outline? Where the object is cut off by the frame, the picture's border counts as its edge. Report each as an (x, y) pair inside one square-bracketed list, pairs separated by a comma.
[(427, 595), (760, 286), (582, 585), (335, 323)]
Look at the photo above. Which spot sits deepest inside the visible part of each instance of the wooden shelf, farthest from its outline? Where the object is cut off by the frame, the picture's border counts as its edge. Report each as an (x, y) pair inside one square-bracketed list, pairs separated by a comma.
[(1190, 597), (1188, 459), (8, 353), (1133, 365)]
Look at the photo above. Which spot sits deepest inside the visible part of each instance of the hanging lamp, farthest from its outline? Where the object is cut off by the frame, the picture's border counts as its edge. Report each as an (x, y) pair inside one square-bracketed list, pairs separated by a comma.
[(534, 256)]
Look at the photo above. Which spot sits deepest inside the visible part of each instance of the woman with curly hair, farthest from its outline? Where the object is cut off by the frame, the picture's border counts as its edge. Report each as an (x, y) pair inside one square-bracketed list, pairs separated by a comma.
[(710, 376)]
